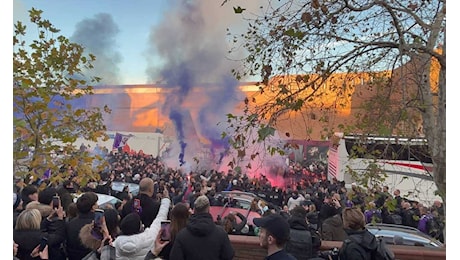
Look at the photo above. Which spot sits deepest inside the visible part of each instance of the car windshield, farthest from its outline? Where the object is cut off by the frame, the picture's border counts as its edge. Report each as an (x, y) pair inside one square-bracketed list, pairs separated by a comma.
[(118, 186)]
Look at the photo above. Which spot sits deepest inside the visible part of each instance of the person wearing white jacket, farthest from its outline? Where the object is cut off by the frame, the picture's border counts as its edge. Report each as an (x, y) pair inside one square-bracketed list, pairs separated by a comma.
[(136, 246)]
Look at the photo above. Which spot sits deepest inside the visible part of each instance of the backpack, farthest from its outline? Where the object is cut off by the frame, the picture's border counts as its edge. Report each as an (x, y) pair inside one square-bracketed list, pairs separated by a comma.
[(382, 252), (300, 244)]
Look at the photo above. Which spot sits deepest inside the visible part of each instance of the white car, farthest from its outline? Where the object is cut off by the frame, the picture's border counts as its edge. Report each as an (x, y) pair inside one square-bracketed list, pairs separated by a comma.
[(103, 200)]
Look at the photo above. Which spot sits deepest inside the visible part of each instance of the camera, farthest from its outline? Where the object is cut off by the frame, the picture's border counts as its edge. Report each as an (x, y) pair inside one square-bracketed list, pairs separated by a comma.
[(165, 232), (43, 243), (96, 232), (56, 202), (98, 215), (137, 205)]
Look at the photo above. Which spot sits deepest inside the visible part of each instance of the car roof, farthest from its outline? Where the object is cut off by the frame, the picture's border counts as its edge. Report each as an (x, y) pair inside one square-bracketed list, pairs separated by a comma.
[(102, 199), (237, 192), (409, 234)]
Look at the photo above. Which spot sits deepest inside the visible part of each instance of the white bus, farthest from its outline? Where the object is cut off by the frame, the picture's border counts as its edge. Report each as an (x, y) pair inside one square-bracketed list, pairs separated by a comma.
[(405, 163)]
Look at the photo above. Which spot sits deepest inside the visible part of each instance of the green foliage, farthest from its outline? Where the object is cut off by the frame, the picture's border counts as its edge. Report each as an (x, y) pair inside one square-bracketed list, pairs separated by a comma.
[(47, 75)]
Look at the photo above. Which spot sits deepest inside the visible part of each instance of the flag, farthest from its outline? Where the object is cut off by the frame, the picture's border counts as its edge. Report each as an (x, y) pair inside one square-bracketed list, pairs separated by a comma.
[(47, 174), (120, 140)]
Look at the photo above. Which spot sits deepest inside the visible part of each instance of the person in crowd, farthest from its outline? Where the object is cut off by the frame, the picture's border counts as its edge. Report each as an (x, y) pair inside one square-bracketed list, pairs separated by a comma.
[(273, 235), (17, 207), (382, 196), (179, 216), (294, 200), (202, 238), (409, 215), (330, 206), (399, 200), (134, 242), (356, 195), (86, 205), (285, 212), (44, 202), (312, 216), (439, 206), (112, 222), (36, 252), (65, 194), (304, 242), (28, 235), (372, 213), (54, 224), (98, 241), (29, 193), (234, 227), (331, 228), (125, 194), (156, 250), (148, 206), (71, 212), (354, 224)]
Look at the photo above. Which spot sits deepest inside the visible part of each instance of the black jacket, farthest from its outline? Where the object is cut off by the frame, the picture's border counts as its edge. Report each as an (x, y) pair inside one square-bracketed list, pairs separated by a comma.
[(332, 229), (280, 255), (300, 242), (29, 239), (202, 239), (304, 243), (56, 238), (149, 206), (361, 239), (75, 249)]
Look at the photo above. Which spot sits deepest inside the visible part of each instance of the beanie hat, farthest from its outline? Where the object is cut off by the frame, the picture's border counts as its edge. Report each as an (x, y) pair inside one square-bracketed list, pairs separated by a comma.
[(16, 200), (131, 224)]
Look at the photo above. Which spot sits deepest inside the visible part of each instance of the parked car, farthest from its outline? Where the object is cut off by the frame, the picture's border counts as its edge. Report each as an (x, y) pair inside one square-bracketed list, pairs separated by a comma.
[(227, 202), (219, 212), (408, 236), (118, 187)]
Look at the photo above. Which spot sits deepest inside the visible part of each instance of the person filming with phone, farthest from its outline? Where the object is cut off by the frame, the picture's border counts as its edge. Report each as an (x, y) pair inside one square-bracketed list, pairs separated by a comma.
[(135, 242), (31, 240)]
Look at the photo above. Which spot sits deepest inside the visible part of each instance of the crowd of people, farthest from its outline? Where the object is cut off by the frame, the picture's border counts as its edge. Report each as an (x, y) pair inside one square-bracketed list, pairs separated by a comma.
[(310, 209)]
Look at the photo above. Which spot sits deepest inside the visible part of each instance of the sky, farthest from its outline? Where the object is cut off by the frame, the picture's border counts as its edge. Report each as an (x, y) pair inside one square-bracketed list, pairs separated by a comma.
[(126, 37)]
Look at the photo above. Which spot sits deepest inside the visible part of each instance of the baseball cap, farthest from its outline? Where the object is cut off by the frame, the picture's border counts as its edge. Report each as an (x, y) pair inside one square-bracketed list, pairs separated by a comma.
[(276, 224)]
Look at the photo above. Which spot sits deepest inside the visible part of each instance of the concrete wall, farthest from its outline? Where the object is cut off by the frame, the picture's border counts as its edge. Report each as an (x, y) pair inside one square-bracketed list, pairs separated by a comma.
[(248, 248)]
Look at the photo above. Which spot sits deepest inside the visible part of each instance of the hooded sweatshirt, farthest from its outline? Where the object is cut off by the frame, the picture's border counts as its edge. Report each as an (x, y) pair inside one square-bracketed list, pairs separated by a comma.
[(138, 245), (202, 239)]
